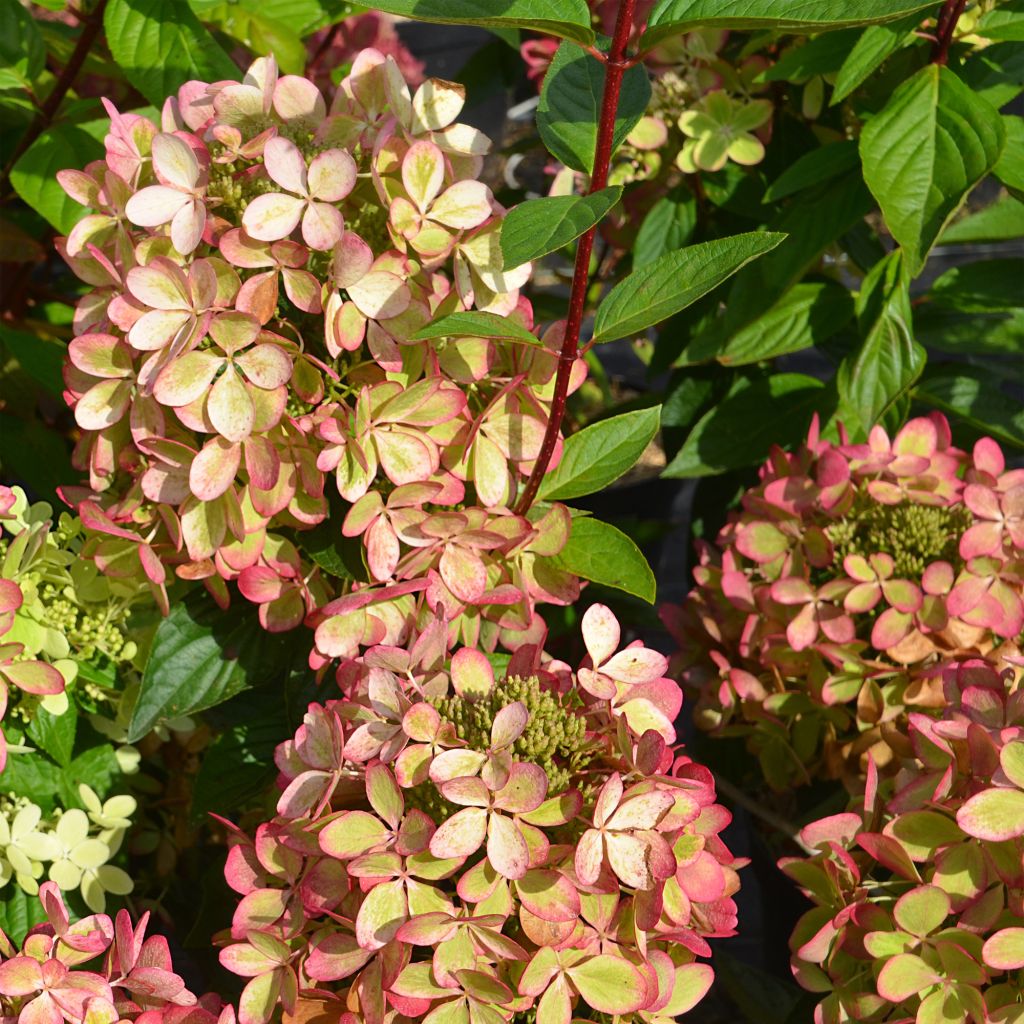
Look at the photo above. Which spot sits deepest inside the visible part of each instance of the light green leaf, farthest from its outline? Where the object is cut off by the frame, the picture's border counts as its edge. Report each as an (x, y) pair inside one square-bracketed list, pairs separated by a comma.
[(660, 289), (1003, 221), (996, 73), (55, 734), (1004, 22), (808, 314), (668, 225), (670, 17), (928, 147), (34, 175), (889, 360), (599, 454), (569, 19), (539, 226), (987, 286), (740, 430), (22, 52), (161, 44), (603, 554), (821, 55), (570, 104), (261, 34), (818, 165), (876, 44), (1010, 168), (201, 656), (475, 325), (975, 396), (301, 16)]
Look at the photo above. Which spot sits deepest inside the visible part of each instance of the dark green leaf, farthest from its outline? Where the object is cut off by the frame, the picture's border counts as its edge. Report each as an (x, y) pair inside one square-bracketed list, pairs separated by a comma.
[(1000, 222), (339, 556), (41, 359), (1010, 168), (475, 325), (812, 168), (807, 315), (996, 73), (970, 334), (987, 286), (569, 19), (599, 454), (34, 175), (660, 289), (741, 429), (201, 656), (97, 767), (539, 226), (54, 734), (930, 145), (603, 554), (19, 912), (761, 998), (34, 456), (33, 777), (161, 44), (974, 395), (22, 53), (239, 764), (570, 104), (670, 17), (876, 44), (668, 225), (889, 360), (821, 55)]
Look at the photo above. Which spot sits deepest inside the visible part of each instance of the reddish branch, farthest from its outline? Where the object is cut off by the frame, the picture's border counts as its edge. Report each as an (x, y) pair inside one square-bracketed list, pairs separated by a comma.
[(87, 37), (616, 64), (948, 17)]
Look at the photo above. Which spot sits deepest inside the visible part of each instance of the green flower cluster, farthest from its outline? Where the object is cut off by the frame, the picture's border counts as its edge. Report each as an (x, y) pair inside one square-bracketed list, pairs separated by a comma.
[(555, 737), (914, 535)]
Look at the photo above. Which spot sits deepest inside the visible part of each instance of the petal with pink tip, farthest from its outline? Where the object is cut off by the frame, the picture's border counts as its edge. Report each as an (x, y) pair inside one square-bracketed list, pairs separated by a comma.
[(628, 856), (380, 295), (174, 161), (103, 405), (803, 630), (982, 501), (214, 468), (267, 366), (303, 289), (383, 911), (423, 173), (456, 763), (322, 226), (332, 175), (610, 984), (351, 260), (185, 379), (643, 811), (155, 205), (405, 457), (890, 628), (601, 633), (158, 329), (993, 814), (297, 98), (234, 330), (461, 835), (792, 590), (286, 166), (464, 205), (985, 538), (506, 848), (473, 677), (508, 725), (589, 857), (353, 834), (160, 285), (436, 104), (525, 790), (34, 677), (273, 216), (230, 408), (187, 226), (101, 355), (20, 976), (636, 665), (902, 594)]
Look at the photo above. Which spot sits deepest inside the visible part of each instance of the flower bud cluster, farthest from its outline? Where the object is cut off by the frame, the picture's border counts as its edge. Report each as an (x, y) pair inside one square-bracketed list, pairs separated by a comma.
[(263, 263), (919, 888), (851, 574), (554, 876)]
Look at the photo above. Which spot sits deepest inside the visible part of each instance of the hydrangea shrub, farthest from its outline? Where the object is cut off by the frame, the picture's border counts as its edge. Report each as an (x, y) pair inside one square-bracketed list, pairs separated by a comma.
[(832, 598)]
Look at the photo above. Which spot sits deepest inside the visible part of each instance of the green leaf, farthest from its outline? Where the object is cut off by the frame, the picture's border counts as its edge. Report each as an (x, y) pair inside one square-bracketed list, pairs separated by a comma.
[(996, 73), (670, 17), (599, 454), (339, 556), (889, 360), (929, 146), (301, 16), (876, 44), (970, 334), (570, 105), (33, 777), (741, 429), (669, 224), (1003, 221), (568, 19), (34, 175), (36, 456), (760, 997), (603, 554), (201, 656), (40, 358), (161, 44), (261, 34), (660, 289), (54, 734), (539, 226), (1004, 22), (808, 314), (984, 287), (475, 325), (19, 912), (22, 52), (1010, 168), (821, 55), (97, 767), (812, 168), (974, 395)]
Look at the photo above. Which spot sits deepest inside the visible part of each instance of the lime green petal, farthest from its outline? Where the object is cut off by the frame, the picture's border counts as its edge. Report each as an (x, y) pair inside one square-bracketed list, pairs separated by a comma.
[(90, 854), (752, 115), (711, 152), (747, 150), (694, 123), (114, 880)]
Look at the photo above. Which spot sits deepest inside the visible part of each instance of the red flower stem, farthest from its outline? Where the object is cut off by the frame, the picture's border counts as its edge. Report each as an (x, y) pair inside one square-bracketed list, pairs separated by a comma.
[(948, 17), (616, 64)]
